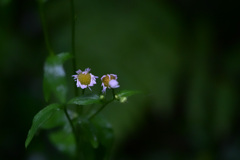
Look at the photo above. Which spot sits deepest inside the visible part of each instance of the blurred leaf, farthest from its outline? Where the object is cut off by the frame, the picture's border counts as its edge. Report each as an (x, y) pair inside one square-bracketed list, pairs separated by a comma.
[(105, 131), (196, 112), (4, 2), (63, 140), (96, 138), (42, 1), (39, 119), (232, 67), (57, 119), (54, 77), (127, 93), (224, 111), (85, 99), (90, 133)]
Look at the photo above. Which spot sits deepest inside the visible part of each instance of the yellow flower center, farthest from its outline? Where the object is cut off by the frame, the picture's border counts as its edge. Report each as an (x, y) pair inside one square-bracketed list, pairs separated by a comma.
[(84, 79), (106, 80)]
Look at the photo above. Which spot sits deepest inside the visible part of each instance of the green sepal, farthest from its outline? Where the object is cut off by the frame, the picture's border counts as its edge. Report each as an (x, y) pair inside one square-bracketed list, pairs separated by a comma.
[(39, 119)]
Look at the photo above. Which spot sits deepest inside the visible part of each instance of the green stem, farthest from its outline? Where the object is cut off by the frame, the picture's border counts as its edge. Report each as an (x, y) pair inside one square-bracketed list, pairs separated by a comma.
[(74, 132), (113, 93), (80, 108), (104, 105), (83, 91), (73, 33), (100, 109), (74, 59), (44, 26)]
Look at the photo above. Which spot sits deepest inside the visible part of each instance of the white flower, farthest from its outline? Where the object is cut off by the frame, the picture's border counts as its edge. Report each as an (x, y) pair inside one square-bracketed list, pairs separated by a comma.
[(113, 83), (85, 79), (109, 81)]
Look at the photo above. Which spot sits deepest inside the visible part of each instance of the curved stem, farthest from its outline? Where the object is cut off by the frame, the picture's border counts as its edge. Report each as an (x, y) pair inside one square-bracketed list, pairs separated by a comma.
[(100, 109), (44, 26), (104, 105)]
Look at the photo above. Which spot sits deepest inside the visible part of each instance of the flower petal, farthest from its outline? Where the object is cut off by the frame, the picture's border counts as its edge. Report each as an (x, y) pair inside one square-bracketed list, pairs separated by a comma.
[(86, 70), (114, 75), (78, 71), (113, 83), (104, 89), (83, 86)]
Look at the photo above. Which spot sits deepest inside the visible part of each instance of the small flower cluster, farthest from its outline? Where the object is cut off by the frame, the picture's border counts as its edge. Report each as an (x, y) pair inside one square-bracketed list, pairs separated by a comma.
[(85, 79)]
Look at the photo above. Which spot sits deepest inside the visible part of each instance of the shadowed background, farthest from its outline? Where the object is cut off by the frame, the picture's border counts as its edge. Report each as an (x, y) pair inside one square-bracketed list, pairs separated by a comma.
[(183, 55)]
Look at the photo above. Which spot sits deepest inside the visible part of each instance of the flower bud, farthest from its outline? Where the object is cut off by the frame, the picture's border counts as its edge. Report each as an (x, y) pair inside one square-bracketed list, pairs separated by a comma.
[(123, 99), (102, 96)]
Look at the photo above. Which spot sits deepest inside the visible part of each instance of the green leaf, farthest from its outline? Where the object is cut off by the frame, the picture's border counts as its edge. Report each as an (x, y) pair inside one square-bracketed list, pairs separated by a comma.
[(54, 77), (63, 140), (57, 119), (85, 99), (89, 132), (39, 119), (127, 93), (105, 136), (96, 137)]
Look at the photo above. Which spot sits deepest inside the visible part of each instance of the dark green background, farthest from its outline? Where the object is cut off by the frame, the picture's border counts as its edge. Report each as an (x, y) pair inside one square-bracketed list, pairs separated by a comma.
[(184, 56)]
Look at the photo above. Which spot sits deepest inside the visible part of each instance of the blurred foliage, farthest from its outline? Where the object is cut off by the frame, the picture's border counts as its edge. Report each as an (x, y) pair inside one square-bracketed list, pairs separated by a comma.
[(184, 55), (54, 81)]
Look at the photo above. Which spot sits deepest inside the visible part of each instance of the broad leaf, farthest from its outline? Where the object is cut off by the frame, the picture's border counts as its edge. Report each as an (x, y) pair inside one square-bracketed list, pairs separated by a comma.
[(105, 136), (89, 133), (85, 99), (63, 140), (127, 93), (57, 119), (54, 77), (96, 137), (105, 131), (39, 119)]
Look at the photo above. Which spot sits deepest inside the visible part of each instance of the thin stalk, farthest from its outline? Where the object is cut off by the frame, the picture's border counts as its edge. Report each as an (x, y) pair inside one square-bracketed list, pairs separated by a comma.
[(113, 93), (80, 108), (100, 109), (104, 105), (83, 91), (44, 26), (73, 40), (74, 59), (74, 132), (73, 33)]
